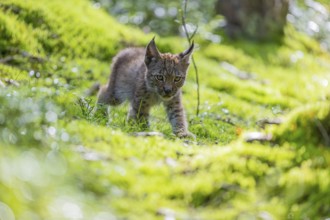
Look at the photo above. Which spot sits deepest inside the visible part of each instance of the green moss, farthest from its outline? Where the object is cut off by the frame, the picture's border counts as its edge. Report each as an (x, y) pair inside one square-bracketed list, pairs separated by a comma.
[(56, 155), (65, 35), (307, 125)]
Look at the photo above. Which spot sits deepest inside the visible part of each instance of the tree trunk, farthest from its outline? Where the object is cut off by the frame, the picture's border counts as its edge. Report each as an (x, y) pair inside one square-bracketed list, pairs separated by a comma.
[(256, 19)]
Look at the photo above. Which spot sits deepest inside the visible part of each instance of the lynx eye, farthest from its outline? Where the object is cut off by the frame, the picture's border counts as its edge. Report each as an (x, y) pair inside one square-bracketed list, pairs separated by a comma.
[(160, 77), (177, 79)]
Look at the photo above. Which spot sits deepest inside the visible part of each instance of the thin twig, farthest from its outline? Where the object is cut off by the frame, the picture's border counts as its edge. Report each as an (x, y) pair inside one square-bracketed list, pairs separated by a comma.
[(183, 18), (263, 122), (257, 136), (197, 83), (193, 34), (31, 57), (7, 59), (189, 39)]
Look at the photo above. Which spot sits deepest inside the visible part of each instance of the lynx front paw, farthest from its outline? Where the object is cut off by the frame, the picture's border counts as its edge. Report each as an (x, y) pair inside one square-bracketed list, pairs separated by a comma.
[(186, 134)]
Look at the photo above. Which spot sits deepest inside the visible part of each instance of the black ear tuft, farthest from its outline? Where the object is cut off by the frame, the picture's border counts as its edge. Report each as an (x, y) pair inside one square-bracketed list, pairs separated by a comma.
[(185, 56), (152, 52)]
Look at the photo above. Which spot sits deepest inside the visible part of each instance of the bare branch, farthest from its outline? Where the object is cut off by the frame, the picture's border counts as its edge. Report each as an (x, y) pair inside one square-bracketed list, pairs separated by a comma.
[(7, 59), (257, 136), (193, 34), (189, 39)]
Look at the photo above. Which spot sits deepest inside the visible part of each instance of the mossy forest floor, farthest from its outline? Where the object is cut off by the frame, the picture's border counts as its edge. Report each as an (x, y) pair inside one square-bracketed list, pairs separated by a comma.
[(58, 161)]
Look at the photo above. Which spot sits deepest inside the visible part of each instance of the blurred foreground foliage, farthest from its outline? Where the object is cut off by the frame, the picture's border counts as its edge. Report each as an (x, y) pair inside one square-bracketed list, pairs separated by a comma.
[(59, 161)]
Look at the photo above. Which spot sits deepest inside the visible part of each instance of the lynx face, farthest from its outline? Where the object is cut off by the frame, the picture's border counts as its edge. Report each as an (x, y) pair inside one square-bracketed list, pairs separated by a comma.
[(166, 72), (165, 76)]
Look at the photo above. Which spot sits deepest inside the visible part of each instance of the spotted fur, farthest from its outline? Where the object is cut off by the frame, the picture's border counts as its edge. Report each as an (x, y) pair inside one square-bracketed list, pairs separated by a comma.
[(146, 77)]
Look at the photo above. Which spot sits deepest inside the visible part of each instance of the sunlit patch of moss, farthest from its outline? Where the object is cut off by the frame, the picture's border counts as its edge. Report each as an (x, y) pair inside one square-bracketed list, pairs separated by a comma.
[(228, 54), (307, 125), (15, 34), (167, 173), (271, 63), (299, 41), (53, 34), (9, 72), (307, 190)]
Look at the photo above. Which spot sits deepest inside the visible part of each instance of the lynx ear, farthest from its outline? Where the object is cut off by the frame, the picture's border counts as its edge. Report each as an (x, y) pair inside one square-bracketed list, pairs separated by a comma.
[(185, 56), (152, 52)]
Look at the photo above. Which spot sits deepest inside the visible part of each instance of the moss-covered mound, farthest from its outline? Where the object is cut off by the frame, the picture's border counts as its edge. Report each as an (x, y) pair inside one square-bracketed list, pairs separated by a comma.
[(59, 161), (307, 125)]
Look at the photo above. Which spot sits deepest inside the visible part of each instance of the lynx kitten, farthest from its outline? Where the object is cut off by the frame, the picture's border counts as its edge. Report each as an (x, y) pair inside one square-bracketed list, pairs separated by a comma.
[(146, 77)]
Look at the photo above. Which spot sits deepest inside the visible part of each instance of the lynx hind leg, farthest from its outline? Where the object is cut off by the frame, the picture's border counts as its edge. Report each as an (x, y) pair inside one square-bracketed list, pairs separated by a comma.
[(105, 98)]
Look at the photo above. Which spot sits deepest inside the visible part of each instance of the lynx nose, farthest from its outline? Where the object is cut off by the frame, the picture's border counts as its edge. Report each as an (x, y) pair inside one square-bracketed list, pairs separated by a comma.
[(167, 89)]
